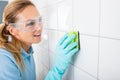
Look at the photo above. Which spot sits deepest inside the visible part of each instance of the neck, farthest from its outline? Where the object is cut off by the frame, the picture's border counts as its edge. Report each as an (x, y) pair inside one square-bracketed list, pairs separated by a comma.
[(26, 46)]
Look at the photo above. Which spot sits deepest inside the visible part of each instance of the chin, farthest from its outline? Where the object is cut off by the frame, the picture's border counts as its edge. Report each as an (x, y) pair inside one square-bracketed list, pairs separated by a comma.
[(38, 41)]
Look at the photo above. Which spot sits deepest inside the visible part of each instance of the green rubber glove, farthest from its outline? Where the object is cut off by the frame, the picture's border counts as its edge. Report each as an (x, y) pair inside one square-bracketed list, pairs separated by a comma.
[(63, 56)]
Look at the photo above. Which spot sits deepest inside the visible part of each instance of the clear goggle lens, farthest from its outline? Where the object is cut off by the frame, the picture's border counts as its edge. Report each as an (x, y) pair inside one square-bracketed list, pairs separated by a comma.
[(29, 25)]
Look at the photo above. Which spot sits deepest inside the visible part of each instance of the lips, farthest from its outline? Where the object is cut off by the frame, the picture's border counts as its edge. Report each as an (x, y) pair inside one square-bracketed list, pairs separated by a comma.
[(38, 35)]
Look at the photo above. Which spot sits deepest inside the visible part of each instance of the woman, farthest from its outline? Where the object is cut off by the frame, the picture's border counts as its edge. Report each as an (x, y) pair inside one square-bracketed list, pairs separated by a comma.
[(21, 28)]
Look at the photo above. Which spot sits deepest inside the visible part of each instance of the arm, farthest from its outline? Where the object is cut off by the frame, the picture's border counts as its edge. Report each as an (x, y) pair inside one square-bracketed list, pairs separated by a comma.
[(8, 69), (63, 56)]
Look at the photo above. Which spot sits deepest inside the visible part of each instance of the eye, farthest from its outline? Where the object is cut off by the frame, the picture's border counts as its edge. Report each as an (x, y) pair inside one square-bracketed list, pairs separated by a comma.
[(31, 23)]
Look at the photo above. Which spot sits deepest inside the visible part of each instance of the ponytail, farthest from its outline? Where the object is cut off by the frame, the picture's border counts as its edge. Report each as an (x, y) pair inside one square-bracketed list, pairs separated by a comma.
[(2, 25), (2, 40), (10, 46)]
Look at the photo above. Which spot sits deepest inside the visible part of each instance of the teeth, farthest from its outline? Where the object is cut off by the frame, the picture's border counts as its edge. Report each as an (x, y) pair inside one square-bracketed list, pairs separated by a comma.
[(36, 35)]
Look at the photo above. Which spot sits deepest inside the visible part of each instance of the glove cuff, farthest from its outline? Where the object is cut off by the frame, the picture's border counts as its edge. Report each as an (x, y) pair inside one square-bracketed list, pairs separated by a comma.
[(54, 74)]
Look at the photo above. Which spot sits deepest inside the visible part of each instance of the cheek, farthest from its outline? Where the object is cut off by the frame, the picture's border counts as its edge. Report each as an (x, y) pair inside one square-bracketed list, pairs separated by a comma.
[(29, 37), (26, 37)]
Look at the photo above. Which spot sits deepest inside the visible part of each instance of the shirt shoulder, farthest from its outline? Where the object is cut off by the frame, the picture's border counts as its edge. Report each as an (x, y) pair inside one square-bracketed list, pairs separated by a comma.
[(7, 57), (8, 66), (4, 53)]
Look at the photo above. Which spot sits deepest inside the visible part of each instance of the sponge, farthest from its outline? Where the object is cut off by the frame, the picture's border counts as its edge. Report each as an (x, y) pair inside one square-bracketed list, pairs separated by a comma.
[(76, 38)]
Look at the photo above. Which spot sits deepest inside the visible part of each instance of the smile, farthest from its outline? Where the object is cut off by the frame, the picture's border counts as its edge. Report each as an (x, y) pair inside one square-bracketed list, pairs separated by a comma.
[(37, 35)]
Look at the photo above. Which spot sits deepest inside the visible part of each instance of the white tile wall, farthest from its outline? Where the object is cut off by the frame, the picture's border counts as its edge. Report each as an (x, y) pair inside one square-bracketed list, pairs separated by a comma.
[(54, 37), (65, 15), (44, 40), (98, 24), (109, 65), (51, 55), (87, 58), (53, 40), (52, 17), (81, 75), (110, 18), (69, 74), (44, 14), (51, 2), (86, 16), (40, 3), (42, 61)]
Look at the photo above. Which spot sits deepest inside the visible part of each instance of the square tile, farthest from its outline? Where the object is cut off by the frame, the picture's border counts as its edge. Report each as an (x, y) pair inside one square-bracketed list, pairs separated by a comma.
[(65, 15), (81, 75), (51, 54), (86, 16), (44, 14), (110, 18), (87, 58), (42, 62), (54, 38), (109, 59), (52, 16), (41, 55), (44, 39)]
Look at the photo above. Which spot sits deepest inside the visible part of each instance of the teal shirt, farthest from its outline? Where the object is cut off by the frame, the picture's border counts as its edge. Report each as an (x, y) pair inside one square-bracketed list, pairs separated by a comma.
[(9, 69)]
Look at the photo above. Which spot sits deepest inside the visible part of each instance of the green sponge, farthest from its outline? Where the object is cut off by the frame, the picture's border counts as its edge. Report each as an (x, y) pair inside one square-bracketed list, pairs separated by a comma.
[(76, 38)]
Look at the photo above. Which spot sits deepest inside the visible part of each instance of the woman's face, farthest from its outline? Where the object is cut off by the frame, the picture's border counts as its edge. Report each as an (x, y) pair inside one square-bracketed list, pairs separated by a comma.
[(28, 27)]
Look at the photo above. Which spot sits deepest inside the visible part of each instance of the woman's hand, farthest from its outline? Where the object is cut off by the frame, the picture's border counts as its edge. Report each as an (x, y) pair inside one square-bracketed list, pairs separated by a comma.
[(63, 55), (64, 52)]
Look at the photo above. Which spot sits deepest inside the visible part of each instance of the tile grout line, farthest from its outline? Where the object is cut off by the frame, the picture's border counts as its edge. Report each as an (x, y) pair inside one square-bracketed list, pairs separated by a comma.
[(84, 71), (88, 35), (99, 40), (48, 42)]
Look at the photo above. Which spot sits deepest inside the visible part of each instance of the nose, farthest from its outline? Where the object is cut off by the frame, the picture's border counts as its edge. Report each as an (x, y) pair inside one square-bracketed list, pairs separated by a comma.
[(38, 27)]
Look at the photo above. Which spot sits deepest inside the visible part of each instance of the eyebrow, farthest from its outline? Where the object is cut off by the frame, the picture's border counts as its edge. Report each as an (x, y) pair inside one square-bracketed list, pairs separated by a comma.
[(32, 18), (28, 19)]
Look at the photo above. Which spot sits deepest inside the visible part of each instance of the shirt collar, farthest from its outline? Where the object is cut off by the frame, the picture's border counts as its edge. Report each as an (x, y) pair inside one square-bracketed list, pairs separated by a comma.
[(27, 54)]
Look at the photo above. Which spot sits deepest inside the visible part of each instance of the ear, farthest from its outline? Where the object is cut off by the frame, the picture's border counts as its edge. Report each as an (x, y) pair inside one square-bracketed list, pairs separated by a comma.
[(13, 31)]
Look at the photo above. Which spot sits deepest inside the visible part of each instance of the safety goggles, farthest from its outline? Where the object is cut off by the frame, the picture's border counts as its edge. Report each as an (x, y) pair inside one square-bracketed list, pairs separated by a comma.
[(29, 25)]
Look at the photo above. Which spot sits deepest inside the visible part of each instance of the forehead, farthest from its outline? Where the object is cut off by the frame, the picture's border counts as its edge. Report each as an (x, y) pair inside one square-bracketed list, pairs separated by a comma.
[(28, 13)]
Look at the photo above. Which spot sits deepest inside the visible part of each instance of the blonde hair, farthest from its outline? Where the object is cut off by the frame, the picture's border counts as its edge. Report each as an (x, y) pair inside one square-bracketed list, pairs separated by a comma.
[(10, 16)]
